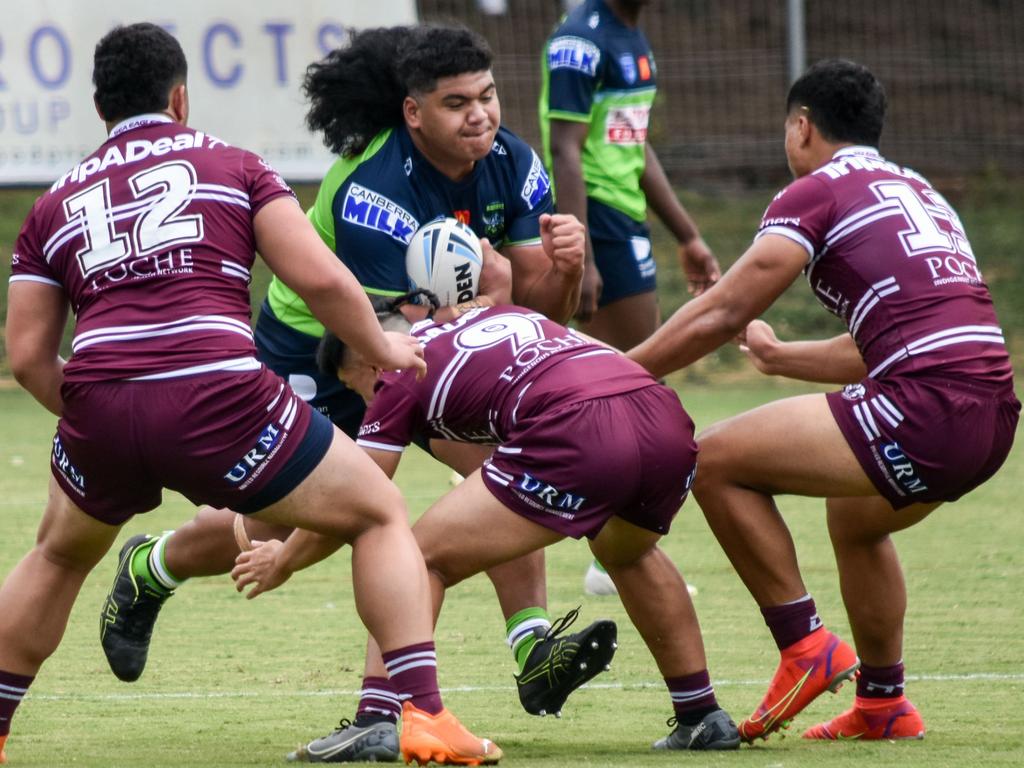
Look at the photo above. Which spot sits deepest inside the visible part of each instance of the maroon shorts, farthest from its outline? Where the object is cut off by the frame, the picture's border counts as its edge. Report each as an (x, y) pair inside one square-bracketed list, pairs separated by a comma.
[(923, 439), (238, 440), (571, 468)]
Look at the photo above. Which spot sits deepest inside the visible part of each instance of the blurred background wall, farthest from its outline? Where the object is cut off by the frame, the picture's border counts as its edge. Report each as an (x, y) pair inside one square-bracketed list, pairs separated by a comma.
[(953, 69)]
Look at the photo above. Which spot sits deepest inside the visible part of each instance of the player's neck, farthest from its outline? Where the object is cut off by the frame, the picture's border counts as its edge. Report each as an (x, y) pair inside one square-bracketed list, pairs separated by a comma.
[(454, 169)]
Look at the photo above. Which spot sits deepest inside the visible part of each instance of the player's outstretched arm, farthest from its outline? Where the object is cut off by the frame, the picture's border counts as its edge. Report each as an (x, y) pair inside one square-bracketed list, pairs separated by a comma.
[(296, 254), (36, 314), (720, 314), (698, 262), (547, 277), (826, 361)]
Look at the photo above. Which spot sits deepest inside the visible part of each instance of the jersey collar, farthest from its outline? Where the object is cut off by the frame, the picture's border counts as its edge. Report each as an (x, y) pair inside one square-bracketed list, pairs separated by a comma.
[(139, 121), (857, 149)]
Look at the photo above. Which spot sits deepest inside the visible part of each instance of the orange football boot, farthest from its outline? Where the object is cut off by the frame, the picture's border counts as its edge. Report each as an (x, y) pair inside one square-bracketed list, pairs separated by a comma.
[(872, 719), (443, 739), (819, 662)]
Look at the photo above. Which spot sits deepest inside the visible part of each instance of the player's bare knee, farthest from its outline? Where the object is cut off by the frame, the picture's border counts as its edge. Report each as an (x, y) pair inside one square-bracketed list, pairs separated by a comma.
[(445, 564), (385, 507), (69, 556)]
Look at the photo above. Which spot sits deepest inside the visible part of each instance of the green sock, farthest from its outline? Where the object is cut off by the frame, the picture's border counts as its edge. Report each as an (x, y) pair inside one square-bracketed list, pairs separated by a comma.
[(524, 629), (159, 578)]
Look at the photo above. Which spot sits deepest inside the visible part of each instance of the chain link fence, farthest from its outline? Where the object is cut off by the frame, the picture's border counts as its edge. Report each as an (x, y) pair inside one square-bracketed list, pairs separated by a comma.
[(953, 69)]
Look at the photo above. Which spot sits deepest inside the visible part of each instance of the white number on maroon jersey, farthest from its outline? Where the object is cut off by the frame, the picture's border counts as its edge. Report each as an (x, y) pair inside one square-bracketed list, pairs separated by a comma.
[(171, 187), (924, 211), (519, 330), (103, 246), (161, 194)]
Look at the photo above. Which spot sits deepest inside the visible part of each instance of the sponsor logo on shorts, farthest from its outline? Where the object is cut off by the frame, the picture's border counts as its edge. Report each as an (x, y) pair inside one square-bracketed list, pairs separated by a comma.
[(67, 470), (366, 208), (536, 185), (642, 254), (252, 463), (627, 125), (854, 391), (901, 469), (575, 53), (563, 503)]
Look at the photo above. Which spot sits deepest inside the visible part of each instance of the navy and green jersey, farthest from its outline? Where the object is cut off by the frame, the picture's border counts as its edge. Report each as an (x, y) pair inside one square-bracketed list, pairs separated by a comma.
[(369, 206), (598, 71)]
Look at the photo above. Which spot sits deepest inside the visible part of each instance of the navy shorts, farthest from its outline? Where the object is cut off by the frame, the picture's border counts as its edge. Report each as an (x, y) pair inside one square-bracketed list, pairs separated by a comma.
[(926, 439), (571, 468), (291, 355), (237, 440), (622, 251)]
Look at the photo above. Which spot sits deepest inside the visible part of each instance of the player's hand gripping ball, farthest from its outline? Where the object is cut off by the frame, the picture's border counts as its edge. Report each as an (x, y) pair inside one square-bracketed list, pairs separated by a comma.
[(444, 256)]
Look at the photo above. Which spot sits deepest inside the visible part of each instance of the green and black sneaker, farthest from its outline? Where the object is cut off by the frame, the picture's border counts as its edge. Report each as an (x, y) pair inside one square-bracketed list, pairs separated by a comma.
[(558, 665), (128, 615)]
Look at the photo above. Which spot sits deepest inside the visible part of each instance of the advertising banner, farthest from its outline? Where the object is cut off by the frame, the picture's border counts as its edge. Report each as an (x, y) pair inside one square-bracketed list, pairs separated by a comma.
[(246, 63)]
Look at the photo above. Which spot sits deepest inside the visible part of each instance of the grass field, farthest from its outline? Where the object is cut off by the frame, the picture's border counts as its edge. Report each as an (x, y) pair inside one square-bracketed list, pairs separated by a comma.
[(233, 683)]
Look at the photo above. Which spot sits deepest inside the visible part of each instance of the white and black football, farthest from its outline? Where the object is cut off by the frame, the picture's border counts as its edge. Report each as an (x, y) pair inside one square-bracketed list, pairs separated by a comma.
[(444, 256)]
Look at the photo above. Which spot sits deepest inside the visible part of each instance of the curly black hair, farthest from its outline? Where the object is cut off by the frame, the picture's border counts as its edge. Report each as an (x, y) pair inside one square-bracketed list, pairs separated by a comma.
[(134, 69), (357, 91), (843, 99), (434, 52)]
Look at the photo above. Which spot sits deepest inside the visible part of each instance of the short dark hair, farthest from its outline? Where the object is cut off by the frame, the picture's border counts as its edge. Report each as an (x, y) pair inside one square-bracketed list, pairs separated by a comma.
[(843, 99), (134, 69), (333, 354), (356, 91), (434, 52)]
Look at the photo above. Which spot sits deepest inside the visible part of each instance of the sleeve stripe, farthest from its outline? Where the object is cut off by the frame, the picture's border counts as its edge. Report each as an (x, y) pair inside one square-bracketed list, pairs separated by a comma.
[(575, 117), (34, 279), (380, 446), (516, 243), (792, 234)]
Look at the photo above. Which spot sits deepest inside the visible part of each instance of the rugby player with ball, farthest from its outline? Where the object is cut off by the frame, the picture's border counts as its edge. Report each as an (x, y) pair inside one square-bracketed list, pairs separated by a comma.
[(413, 115)]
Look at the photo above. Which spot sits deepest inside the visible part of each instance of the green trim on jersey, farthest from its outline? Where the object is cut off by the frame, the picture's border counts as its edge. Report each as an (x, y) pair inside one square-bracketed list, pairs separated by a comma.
[(611, 173), (286, 304)]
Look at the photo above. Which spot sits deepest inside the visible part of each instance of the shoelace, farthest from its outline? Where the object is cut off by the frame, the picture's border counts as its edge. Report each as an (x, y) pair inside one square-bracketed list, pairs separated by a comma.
[(562, 624), (343, 724)]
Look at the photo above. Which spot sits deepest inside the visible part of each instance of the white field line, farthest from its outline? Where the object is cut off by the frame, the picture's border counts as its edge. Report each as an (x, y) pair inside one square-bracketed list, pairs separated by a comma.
[(972, 677)]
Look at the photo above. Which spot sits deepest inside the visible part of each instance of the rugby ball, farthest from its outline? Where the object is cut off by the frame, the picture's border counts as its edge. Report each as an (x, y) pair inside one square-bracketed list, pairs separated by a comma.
[(444, 256)]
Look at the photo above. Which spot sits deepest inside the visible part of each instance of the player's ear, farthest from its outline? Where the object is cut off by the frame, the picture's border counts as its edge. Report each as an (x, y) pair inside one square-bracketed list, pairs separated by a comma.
[(411, 112), (178, 103), (805, 127)]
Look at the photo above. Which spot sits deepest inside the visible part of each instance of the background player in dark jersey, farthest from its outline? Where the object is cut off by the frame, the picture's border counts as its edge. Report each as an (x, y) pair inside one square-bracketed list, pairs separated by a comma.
[(150, 240), (587, 443), (413, 113), (595, 103), (932, 415)]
